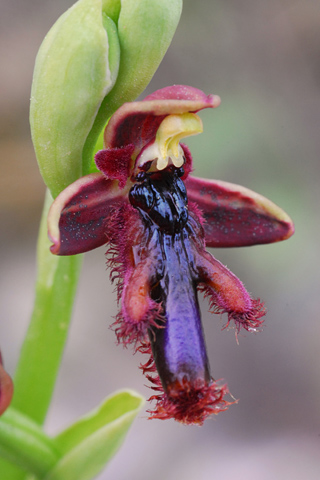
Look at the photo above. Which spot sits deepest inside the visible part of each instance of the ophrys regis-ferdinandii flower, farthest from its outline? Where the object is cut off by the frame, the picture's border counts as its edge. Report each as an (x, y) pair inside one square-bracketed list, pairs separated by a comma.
[(157, 220)]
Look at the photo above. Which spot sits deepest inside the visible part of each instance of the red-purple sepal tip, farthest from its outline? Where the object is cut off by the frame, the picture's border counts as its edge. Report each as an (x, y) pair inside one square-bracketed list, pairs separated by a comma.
[(236, 216), (77, 218)]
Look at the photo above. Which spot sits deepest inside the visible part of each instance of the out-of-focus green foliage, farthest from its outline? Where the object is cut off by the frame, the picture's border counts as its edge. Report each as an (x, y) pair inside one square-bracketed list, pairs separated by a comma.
[(88, 444)]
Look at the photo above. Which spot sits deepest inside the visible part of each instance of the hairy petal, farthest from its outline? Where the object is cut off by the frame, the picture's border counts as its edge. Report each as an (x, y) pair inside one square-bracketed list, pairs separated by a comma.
[(77, 218), (115, 163), (138, 310), (236, 216), (227, 294), (134, 258), (137, 122)]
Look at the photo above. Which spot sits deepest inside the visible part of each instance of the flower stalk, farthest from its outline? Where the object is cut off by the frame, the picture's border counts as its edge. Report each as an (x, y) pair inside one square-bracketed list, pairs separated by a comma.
[(41, 353)]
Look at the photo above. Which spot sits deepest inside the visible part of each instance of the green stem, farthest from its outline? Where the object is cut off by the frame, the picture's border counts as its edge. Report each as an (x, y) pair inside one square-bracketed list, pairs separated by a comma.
[(45, 340), (25, 444), (42, 350)]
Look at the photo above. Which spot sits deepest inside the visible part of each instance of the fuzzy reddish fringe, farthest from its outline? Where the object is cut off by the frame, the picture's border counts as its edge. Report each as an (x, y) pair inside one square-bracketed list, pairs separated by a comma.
[(132, 333), (118, 263), (249, 320), (192, 405)]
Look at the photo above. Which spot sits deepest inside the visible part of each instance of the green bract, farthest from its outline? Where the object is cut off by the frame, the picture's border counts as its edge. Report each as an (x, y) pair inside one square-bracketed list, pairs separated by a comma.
[(89, 444), (75, 69), (78, 453), (98, 55)]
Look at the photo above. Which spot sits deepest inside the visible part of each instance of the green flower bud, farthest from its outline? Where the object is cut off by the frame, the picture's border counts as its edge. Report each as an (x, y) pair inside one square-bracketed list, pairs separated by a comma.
[(99, 54), (76, 67), (145, 29)]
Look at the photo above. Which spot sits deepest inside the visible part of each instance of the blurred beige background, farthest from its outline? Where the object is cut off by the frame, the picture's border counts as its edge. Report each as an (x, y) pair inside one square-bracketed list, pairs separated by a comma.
[(263, 58)]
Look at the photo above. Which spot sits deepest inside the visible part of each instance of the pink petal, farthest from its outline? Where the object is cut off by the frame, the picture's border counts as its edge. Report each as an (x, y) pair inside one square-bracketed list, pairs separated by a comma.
[(77, 219), (137, 122), (236, 216)]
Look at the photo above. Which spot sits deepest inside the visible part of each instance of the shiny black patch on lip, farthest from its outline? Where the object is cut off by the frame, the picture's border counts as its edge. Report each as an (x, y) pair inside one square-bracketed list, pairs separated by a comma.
[(178, 345), (162, 198)]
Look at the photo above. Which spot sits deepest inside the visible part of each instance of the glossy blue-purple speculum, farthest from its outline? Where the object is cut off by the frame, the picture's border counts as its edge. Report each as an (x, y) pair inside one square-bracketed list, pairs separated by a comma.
[(145, 206), (178, 349)]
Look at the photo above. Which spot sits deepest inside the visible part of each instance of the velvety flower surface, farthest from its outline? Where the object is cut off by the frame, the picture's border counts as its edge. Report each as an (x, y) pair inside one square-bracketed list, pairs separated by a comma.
[(157, 220)]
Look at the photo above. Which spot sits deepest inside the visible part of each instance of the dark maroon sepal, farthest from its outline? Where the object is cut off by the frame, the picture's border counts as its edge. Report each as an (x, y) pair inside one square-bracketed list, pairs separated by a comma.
[(236, 216), (137, 122), (77, 220)]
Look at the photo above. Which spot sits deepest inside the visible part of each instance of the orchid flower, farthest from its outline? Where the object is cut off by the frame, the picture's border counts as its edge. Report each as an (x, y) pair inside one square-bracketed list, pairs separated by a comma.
[(157, 220)]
